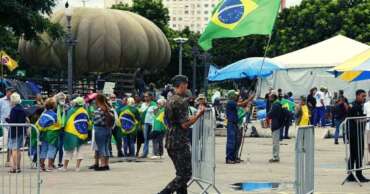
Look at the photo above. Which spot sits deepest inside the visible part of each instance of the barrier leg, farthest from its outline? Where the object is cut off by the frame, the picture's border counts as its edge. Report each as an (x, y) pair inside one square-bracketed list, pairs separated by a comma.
[(215, 188), (201, 186), (351, 173), (205, 189)]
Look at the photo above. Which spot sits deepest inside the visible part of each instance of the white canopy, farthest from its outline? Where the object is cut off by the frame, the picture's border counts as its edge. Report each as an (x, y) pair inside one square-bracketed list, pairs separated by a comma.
[(328, 53), (306, 68)]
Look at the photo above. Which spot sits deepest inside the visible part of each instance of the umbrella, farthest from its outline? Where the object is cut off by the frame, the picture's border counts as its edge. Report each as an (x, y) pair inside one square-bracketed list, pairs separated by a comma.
[(354, 69), (246, 68)]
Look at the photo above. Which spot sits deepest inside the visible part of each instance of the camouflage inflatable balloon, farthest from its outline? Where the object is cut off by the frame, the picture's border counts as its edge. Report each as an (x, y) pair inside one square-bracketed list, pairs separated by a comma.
[(108, 41)]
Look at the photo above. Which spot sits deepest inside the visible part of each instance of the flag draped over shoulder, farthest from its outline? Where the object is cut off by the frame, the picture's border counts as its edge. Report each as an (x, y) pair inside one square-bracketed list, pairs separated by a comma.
[(76, 127), (6, 60), (128, 119), (236, 18), (49, 127), (159, 123)]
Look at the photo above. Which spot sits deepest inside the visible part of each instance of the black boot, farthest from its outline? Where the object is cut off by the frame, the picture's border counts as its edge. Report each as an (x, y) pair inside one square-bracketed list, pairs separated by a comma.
[(351, 178), (361, 177), (165, 191), (183, 190)]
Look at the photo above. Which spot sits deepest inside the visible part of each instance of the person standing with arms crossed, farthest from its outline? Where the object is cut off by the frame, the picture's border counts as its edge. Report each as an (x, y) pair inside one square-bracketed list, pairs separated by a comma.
[(177, 141)]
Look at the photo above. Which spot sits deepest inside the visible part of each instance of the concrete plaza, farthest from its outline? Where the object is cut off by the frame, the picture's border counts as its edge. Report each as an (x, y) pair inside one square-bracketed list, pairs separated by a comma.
[(150, 176)]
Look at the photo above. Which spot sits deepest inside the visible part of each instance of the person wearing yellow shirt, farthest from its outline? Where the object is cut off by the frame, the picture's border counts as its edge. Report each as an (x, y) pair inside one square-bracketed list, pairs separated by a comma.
[(303, 113)]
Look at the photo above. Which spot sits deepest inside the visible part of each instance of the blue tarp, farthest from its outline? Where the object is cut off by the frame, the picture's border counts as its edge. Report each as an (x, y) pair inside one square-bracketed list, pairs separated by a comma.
[(260, 104), (247, 68)]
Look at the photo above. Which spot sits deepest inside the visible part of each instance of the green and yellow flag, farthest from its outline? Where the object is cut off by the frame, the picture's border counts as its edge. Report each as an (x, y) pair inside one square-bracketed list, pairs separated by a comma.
[(159, 123), (6, 60), (236, 18), (76, 127)]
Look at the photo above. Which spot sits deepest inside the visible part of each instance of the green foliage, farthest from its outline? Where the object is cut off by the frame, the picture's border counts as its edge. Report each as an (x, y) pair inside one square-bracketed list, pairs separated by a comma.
[(27, 18), (316, 20), (153, 10)]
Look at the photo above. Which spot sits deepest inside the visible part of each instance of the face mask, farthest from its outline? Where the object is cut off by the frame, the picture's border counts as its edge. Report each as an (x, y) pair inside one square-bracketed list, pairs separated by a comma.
[(62, 102)]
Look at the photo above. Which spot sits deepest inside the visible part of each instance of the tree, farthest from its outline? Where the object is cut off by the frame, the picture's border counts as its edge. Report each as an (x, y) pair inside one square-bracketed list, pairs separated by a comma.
[(153, 10), (26, 19), (316, 20)]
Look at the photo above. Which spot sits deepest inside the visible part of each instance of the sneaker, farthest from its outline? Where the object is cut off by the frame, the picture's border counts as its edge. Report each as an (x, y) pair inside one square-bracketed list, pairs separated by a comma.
[(104, 168), (93, 167), (62, 169), (230, 162), (49, 170), (155, 157), (274, 160)]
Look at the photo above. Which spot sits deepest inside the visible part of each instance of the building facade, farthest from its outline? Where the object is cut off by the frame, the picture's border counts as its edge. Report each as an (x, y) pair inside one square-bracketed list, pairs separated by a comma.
[(194, 14)]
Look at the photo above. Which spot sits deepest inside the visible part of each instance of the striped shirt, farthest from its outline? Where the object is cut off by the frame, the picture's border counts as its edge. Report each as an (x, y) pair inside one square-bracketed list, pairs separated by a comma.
[(99, 117)]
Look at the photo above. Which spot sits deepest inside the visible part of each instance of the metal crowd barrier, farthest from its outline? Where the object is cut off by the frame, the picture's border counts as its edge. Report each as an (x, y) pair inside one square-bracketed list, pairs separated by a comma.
[(305, 160), (203, 152), (26, 177), (357, 145)]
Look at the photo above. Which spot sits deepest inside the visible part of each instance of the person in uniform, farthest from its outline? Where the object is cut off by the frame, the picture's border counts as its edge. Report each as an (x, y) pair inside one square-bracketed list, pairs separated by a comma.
[(177, 139), (355, 135)]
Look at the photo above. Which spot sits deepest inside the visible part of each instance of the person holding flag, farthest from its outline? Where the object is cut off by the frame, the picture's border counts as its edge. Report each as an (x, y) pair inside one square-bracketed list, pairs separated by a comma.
[(159, 129), (61, 117), (49, 128), (147, 109), (129, 122), (75, 132)]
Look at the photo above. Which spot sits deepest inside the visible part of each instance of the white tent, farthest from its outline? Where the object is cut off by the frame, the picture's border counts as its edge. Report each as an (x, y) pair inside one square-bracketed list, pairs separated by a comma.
[(306, 68)]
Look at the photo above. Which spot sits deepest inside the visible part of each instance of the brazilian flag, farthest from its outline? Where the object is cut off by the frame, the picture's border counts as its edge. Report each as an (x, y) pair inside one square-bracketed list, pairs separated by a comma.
[(76, 128), (241, 115), (159, 123), (143, 114), (128, 119), (49, 127), (237, 18)]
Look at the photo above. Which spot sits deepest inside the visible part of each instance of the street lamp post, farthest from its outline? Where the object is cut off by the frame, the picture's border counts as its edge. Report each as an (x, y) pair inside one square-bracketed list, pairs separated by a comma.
[(180, 41), (195, 53), (206, 57), (70, 43)]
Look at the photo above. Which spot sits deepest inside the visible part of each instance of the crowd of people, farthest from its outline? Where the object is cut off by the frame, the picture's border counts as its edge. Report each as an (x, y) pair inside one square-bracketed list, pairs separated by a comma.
[(66, 123)]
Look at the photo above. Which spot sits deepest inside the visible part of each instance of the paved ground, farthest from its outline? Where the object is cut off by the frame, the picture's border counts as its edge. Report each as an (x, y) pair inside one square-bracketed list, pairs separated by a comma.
[(148, 177)]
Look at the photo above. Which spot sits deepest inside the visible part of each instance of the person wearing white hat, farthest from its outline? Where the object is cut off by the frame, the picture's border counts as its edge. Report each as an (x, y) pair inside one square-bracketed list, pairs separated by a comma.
[(16, 135)]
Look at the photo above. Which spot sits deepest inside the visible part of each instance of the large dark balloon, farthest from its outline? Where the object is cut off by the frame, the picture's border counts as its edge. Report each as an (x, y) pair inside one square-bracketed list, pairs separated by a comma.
[(108, 41)]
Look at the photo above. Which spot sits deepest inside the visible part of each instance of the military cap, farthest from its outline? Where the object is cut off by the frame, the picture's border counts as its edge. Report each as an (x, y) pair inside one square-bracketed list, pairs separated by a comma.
[(178, 79)]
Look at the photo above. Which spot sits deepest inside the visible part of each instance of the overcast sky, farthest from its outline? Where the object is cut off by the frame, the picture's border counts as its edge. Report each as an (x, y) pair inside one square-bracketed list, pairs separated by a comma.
[(100, 3)]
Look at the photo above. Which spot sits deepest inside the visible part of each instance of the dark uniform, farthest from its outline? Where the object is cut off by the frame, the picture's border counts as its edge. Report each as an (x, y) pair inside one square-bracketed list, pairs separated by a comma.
[(178, 143), (356, 138)]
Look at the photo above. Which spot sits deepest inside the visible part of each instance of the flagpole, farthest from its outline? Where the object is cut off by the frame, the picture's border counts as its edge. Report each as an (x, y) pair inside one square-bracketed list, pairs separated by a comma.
[(263, 62), (264, 56)]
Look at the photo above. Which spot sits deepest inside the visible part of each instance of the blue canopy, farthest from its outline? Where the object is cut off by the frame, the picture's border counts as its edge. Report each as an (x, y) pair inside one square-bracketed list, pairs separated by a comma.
[(246, 68)]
